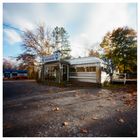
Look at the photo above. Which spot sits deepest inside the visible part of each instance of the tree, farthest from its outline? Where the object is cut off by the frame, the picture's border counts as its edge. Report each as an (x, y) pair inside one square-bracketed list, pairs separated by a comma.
[(8, 64), (41, 42), (93, 53), (60, 37), (38, 42), (125, 44), (120, 48), (28, 62)]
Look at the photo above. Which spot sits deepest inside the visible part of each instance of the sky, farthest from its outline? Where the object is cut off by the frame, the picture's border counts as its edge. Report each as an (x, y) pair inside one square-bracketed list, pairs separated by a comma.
[(86, 23)]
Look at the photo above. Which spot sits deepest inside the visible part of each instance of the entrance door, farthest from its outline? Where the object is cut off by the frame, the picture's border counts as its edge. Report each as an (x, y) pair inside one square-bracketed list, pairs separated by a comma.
[(65, 72)]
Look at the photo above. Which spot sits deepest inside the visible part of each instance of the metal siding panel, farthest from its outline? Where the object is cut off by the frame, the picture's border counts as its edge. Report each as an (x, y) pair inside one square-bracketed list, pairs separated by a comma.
[(84, 77)]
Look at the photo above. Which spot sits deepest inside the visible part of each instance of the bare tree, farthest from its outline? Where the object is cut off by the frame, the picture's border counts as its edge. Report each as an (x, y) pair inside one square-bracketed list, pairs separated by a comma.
[(38, 42), (41, 42)]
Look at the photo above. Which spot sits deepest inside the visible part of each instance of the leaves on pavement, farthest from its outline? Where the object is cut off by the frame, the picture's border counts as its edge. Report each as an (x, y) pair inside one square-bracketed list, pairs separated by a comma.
[(121, 120), (95, 118), (118, 110), (83, 130), (56, 109), (65, 123)]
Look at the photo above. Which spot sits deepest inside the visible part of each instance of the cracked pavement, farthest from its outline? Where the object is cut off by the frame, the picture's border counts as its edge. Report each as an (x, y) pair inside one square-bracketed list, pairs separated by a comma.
[(34, 110)]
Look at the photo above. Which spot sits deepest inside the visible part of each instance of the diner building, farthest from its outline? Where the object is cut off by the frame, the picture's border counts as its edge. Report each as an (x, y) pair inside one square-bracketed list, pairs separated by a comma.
[(83, 69)]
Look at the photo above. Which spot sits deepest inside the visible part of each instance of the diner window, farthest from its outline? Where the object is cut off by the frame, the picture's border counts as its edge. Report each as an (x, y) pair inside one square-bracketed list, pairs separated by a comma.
[(14, 74), (80, 69), (72, 69), (51, 72), (90, 69)]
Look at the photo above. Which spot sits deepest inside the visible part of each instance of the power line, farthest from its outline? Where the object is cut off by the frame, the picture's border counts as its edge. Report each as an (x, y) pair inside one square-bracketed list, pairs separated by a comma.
[(14, 28)]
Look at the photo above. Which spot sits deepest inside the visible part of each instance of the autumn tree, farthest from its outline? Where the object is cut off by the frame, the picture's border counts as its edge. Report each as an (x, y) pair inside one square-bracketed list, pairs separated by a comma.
[(7, 64), (41, 42), (44, 41), (28, 62), (120, 48), (93, 53), (38, 41), (61, 42)]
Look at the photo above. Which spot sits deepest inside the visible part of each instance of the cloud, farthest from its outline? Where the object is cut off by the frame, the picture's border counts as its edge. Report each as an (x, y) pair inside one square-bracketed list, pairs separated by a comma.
[(106, 17), (86, 23), (26, 16), (101, 19), (12, 36), (80, 45)]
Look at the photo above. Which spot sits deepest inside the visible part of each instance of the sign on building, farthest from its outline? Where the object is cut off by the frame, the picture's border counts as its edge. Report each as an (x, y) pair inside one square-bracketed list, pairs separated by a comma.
[(51, 58)]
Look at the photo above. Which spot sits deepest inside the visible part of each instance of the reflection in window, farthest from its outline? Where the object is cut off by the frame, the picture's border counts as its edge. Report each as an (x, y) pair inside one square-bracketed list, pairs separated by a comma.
[(90, 69), (80, 69), (51, 72), (72, 69)]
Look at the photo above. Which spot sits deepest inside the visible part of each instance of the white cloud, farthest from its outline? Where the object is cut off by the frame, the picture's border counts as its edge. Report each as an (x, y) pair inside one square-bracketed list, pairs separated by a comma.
[(80, 45), (105, 18), (12, 36), (91, 20), (101, 19), (26, 16)]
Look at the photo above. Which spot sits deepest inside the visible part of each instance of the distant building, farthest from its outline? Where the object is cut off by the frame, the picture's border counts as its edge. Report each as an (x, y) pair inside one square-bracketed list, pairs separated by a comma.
[(11, 73)]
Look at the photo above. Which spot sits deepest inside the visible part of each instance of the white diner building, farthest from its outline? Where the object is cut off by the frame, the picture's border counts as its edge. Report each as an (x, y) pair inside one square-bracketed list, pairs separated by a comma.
[(84, 69)]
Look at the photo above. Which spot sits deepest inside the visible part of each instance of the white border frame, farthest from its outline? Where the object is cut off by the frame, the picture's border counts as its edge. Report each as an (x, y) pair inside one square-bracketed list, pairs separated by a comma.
[(66, 1)]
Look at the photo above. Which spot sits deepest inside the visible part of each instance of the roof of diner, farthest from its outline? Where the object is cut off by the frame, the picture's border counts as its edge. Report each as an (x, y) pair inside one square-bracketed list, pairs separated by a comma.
[(85, 60)]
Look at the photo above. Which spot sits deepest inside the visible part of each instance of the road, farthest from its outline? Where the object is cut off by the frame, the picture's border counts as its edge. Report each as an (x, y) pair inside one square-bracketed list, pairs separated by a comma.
[(34, 110)]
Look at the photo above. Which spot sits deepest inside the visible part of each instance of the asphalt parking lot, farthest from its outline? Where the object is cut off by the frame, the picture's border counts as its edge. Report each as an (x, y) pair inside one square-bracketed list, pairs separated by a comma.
[(34, 110)]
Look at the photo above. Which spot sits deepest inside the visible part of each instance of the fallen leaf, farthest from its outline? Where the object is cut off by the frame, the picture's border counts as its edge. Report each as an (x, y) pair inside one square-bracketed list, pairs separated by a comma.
[(56, 109), (121, 120), (83, 130), (123, 97), (65, 123), (95, 118), (98, 95), (118, 110), (8, 125), (134, 94), (109, 99), (130, 102), (82, 118), (76, 95), (130, 95)]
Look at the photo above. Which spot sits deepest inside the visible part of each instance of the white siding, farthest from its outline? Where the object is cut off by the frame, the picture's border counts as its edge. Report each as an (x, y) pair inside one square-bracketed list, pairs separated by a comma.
[(83, 76)]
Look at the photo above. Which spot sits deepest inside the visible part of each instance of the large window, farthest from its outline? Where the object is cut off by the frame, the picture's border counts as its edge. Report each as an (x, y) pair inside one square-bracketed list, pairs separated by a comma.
[(72, 69), (14, 74), (90, 69), (51, 72), (83, 69), (80, 69)]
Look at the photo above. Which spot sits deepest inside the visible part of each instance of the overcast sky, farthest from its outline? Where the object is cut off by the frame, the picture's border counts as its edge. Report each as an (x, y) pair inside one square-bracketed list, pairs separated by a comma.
[(85, 23)]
